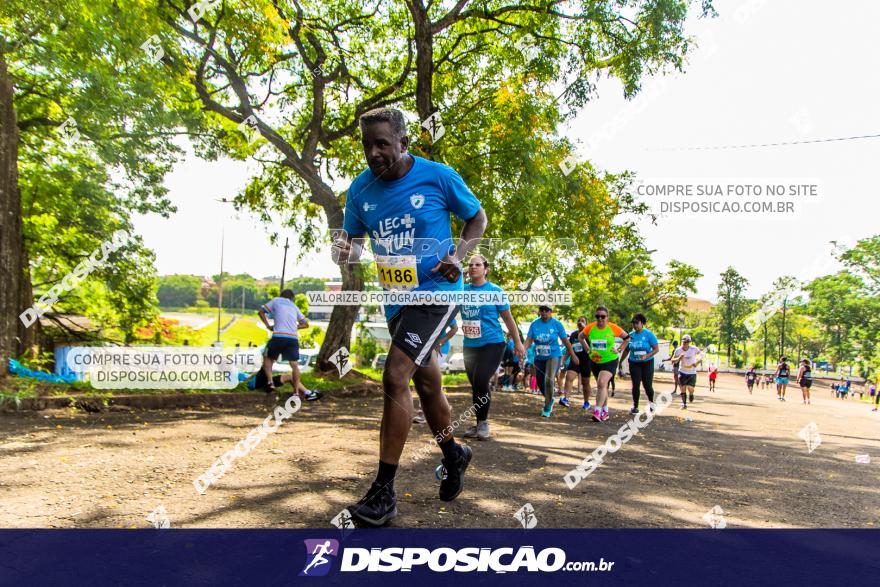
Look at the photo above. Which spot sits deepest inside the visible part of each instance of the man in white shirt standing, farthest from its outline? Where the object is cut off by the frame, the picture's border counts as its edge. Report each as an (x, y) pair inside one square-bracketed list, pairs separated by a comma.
[(284, 344), (688, 357)]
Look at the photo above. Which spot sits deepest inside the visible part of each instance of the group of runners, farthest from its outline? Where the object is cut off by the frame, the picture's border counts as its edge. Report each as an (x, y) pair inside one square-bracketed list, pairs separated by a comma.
[(403, 203)]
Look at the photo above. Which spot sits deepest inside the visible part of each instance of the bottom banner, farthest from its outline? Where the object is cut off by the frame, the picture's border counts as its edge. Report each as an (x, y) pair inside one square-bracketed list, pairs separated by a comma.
[(399, 556)]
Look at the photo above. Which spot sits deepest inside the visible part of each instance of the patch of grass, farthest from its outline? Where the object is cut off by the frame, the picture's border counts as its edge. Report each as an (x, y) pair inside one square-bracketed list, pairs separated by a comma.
[(455, 379), (14, 397), (244, 331), (311, 381), (448, 378), (370, 373)]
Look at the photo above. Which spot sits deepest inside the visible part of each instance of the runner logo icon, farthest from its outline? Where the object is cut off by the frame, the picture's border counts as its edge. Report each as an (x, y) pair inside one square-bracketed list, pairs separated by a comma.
[(413, 339), (319, 556), (417, 200)]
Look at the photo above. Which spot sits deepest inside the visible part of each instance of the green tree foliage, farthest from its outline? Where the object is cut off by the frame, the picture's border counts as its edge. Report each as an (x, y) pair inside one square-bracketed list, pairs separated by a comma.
[(732, 309), (305, 284), (96, 139), (179, 291), (836, 301), (864, 258), (303, 72)]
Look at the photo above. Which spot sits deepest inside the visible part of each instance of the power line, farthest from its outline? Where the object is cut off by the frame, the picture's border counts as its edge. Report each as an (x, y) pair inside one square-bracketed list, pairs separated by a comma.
[(755, 145)]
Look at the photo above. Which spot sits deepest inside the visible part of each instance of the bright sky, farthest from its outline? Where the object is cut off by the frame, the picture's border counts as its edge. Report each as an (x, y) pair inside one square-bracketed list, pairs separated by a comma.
[(768, 71)]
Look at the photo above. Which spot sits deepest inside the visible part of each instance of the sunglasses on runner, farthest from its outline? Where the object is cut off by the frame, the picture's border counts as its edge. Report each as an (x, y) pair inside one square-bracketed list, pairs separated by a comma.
[(601, 316)]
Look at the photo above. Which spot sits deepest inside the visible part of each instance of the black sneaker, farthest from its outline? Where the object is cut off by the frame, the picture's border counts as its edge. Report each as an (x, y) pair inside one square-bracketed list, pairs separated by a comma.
[(452, 481), (377, 507), (691, 398)]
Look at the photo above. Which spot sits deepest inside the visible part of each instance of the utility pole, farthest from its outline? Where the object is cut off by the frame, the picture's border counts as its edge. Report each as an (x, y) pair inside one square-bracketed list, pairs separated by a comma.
[(220, 293), (284, 264), (765, 344), (782, 339)]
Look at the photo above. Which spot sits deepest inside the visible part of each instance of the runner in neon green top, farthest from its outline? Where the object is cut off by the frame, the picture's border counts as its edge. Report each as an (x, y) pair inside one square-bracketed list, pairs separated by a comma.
[(600, 336)]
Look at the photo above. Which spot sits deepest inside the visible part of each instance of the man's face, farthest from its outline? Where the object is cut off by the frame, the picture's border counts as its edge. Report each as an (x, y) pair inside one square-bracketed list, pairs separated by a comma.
[(382, 148)]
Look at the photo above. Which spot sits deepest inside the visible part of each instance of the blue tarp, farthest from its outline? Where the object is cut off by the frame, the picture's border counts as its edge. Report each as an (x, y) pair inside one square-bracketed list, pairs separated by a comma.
[(19, 370)]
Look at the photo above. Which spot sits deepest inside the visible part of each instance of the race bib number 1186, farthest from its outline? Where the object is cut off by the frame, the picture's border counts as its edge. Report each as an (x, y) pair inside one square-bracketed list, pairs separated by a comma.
[(397, 272)]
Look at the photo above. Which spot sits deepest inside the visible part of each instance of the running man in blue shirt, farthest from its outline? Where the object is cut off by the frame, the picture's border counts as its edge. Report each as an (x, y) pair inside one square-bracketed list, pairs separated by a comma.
[(546, 332), (403, 203)]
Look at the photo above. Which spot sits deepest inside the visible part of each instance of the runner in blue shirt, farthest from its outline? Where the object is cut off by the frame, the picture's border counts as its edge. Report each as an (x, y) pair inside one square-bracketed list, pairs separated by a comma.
[(403, 203), (443, 346), (484, 341), (546, 332), (643, 345)]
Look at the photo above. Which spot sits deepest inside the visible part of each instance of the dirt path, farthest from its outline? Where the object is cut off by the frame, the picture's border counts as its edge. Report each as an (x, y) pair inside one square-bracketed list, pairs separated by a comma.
[(741, 452)]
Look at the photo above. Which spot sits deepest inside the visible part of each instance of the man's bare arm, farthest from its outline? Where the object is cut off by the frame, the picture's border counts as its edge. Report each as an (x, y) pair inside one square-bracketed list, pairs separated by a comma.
[(450, 266)]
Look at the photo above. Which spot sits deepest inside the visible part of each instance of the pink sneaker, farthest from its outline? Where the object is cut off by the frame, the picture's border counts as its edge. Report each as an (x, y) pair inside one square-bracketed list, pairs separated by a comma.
[(597, 416), (605, 416)]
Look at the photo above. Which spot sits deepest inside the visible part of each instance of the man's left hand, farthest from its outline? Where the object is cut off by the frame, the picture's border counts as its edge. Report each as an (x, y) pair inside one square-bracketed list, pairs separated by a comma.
[(449, 267)]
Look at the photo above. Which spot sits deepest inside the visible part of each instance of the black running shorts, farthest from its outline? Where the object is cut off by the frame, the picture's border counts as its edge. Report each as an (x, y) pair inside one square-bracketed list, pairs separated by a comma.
[(610, 366), (689, 380), (416, 329), (583, 368), (286, 348)]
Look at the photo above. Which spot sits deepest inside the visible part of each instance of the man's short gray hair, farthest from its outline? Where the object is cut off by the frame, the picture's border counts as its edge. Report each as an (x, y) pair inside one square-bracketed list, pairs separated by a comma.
[(392, 116)]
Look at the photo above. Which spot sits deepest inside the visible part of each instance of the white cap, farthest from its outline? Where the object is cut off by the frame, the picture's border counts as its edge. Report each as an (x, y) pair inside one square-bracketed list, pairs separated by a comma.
[(686, 337)]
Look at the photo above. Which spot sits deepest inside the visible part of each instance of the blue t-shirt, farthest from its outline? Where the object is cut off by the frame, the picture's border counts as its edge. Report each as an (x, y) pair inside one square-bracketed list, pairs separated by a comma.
[(641, 344), (510, 348), (480, 324), (547, 336), (444, 350), (407, 219)]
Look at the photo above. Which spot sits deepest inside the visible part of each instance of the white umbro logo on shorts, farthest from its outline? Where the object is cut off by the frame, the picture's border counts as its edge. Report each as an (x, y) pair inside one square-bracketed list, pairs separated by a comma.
[(413, 339)]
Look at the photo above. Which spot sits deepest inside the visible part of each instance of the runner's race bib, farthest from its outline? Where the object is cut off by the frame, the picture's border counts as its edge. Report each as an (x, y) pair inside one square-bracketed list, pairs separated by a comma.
[(471, 328), (397, 271), (577, 347), (542, 350), (639, 355), (599, 344)]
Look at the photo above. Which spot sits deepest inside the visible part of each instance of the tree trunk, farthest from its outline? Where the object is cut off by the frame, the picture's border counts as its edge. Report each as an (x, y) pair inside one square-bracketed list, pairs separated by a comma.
[(11, 254), (765, 344), (424, 41), (342, 317), (27, 336)]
